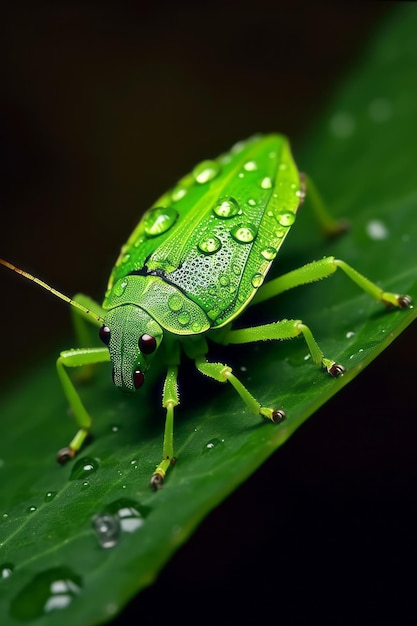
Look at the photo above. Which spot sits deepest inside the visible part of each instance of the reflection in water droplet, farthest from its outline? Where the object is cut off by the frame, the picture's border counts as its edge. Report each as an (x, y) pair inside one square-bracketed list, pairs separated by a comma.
[(226, 207), (210, 244), (50, 495), (269, 253), (159, 220), (6, 570), (84, 468), (266, 183), (175, 302), (107, 529), (285, 218), (51, 590), (206, 171), (244, 233), (184, 318), (257, 280), (213, 443), (250, 166), (377, 230), (120, 287)]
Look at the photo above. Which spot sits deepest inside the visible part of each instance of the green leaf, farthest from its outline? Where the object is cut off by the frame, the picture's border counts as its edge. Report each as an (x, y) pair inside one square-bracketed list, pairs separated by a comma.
[(363, 158)]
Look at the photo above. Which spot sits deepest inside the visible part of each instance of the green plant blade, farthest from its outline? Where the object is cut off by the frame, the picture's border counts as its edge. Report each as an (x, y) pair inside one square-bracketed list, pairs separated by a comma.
[(363, 159)]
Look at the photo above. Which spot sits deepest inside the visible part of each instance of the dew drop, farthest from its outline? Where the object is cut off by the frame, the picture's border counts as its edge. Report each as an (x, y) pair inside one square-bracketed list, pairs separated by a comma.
[(50, 495), (252, 202), (285, 218), (266, 183), (159, 220), (269, 253), (6, 570), (212, 444), (51, 590), (350, 334), (244, 233), (209, 244), (84, 468), (250, 166), (31, 509), (257, 280), (178, 193), (175, 302), (183, 318), (120, 288), (205, 171), (224, 280), (107, 528), (377, 230), (226, 207)]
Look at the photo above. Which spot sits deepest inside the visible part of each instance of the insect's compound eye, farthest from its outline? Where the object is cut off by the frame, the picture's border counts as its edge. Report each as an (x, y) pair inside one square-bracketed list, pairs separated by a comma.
[(138, 378), (104, 334), (147, 344)]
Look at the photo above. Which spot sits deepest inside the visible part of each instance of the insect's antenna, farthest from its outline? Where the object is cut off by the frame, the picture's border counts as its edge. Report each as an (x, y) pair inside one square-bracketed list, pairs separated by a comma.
[(70, 301)]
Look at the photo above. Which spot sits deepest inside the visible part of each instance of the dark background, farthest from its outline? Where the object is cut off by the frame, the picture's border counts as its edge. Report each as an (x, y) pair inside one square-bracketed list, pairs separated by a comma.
[(103, 107)]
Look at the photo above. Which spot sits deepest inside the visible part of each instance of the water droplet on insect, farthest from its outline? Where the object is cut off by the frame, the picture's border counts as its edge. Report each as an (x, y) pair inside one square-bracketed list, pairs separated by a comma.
[(159, 220), (107, 529), (269, 253), (178, 192), (50, 495), (51, 590), (224, 280), (342, 125), (84, 468), (120, 288), (183, 318), (282, 166), (250, 166), (6, 570), (285, 218), (209, 244), (175, 302), (213, 313), (212, 444), (377, 230), (244, 233), (196, 327), (226, 207), (257, 280), (266, 183), (206, 171), (31, 509), (280, 231), (125, 258)]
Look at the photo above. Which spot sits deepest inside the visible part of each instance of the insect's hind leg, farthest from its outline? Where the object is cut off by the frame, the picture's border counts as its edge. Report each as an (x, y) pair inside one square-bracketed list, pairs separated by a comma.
[(285, 329), (223, 373)]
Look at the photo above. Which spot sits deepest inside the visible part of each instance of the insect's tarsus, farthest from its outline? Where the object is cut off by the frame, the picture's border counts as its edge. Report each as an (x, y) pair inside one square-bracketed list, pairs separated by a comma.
[(55, 292)]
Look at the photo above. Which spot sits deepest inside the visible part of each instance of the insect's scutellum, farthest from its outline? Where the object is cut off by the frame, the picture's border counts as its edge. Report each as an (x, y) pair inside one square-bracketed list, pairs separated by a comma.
[(197, 259)]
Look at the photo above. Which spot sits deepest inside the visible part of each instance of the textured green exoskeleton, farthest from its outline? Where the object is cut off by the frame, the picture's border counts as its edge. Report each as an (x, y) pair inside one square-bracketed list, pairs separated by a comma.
[(197, 259)]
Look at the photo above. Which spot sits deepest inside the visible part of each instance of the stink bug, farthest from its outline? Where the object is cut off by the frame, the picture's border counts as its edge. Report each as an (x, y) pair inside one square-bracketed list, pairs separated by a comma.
[(197, 259)]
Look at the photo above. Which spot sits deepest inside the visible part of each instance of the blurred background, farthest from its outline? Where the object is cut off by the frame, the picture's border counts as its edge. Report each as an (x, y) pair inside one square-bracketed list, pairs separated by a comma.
[(103, 107)]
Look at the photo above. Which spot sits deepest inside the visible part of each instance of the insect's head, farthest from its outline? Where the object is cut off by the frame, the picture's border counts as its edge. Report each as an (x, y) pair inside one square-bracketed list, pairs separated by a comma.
[(133, 338)]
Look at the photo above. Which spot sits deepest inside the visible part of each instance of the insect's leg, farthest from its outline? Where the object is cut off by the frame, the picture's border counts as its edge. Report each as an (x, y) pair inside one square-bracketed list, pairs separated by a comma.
[(77, 358), (317, 270), (285, 329), (223, 373), (327, 223), (170, 400)]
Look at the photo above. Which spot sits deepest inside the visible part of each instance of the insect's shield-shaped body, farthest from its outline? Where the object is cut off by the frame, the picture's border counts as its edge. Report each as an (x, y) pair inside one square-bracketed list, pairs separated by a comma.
[(198, 256)]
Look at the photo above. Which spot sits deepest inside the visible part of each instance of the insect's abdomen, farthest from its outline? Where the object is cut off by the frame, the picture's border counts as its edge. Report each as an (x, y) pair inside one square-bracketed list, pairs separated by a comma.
[(215, 235)]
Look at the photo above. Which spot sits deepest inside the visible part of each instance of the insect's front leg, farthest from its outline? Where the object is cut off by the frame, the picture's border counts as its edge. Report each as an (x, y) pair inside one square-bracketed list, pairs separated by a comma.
[(77, 358), (83, 325)]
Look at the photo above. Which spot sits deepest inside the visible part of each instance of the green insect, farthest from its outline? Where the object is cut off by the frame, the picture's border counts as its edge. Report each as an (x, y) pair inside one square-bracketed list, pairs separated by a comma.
[(197, 259)]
